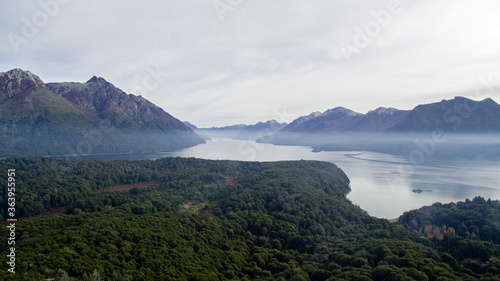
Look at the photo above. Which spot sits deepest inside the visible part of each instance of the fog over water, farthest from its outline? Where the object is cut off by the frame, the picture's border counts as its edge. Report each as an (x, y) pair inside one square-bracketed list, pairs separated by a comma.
[(382, 184)]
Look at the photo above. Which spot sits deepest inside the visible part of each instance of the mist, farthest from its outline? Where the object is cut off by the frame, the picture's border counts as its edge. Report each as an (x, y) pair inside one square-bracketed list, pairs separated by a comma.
[(417, 148)]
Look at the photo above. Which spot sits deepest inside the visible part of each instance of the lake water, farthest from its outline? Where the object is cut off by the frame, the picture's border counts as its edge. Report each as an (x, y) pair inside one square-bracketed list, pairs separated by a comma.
[(381, 184)]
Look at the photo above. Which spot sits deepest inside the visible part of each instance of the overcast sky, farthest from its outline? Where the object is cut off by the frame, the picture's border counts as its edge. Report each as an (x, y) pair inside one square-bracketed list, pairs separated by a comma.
[(223, 62)]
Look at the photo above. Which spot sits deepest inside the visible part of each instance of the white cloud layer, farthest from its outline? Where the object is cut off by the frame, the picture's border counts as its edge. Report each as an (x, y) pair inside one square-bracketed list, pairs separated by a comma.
[(221, 62)]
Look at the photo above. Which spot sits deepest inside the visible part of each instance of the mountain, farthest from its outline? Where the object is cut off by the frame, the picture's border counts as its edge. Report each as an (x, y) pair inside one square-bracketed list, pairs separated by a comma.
[(259, 130), (381, 119), (401, 132), (343, 119), (336, 119), (17, 81), (457, 115), (35, 121), (221, 132), (197, 130), (302, 119), (114, 106), (237, 127), (81, 118), (334, 124), (190, 125)]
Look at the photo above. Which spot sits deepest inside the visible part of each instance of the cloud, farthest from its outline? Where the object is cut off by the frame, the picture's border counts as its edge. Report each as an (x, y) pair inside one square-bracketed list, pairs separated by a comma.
[(241, 63)]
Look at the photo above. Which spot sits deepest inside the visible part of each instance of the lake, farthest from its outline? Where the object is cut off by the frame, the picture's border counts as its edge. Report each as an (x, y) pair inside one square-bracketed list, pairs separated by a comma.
[(382, 184)]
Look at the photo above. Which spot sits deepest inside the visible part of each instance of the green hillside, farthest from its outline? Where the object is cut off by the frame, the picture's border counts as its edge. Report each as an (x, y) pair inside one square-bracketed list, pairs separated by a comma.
[(39, 122), (191, 219)]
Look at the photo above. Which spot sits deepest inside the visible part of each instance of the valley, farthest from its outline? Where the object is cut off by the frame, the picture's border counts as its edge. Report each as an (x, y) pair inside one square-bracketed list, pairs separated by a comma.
[(136, 194)]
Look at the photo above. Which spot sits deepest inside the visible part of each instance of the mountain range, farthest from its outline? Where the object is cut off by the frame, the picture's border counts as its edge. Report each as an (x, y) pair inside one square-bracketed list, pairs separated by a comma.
[(82, 118), (466, 126), (70, 118), (260, 130), (240, 131), (383, 129), (457, 115), (218, 132)]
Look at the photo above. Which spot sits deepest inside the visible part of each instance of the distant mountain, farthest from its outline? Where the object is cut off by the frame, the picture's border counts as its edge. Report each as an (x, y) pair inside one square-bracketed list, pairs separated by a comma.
[(237, 127), (342, 119), (226, 132), (336, 119), (259, 130), (81, 118), (299, 121), (242, 131), (380, 119), (457, 115), (400, 132)]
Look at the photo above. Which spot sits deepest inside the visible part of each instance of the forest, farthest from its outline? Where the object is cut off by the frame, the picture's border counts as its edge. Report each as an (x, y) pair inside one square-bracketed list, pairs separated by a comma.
[(193, 219)]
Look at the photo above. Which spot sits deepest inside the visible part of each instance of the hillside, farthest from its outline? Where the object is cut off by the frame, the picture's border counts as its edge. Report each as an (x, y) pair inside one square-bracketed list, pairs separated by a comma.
[(191, 219), (81, 118), (35, 121)]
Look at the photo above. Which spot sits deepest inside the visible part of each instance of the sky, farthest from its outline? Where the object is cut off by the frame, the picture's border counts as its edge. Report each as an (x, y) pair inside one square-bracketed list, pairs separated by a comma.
[(224, 62)]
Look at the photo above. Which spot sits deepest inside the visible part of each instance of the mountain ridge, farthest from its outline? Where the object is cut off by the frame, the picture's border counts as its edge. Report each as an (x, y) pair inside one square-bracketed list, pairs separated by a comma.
[(400, 132), (110, 103), (260, 129), (459, 114), (39, 119), (444, 114)]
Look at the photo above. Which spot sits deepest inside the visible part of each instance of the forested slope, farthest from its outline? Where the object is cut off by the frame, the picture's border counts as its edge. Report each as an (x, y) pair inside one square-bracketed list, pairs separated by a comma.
[(213, 220)]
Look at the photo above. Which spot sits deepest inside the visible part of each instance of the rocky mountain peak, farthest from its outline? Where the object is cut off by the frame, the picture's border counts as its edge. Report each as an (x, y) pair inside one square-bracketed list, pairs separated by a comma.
[(56, 117), (340, 112), (96, 79), (383, 111), (16, 81), (19, 74)]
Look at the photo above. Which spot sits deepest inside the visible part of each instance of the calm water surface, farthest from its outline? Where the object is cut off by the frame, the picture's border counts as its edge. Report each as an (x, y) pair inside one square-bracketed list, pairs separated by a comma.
[(381, 184)]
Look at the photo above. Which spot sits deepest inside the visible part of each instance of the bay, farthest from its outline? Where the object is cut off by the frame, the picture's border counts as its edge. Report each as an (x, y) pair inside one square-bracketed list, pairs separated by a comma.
[(382, 184)]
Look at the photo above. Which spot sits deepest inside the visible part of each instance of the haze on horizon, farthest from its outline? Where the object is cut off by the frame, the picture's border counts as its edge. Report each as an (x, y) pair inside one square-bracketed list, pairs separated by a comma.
[(224, 62)]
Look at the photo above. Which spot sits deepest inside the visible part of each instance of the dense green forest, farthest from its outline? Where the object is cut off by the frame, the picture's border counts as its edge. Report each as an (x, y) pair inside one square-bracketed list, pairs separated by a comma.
[(192, 219)]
